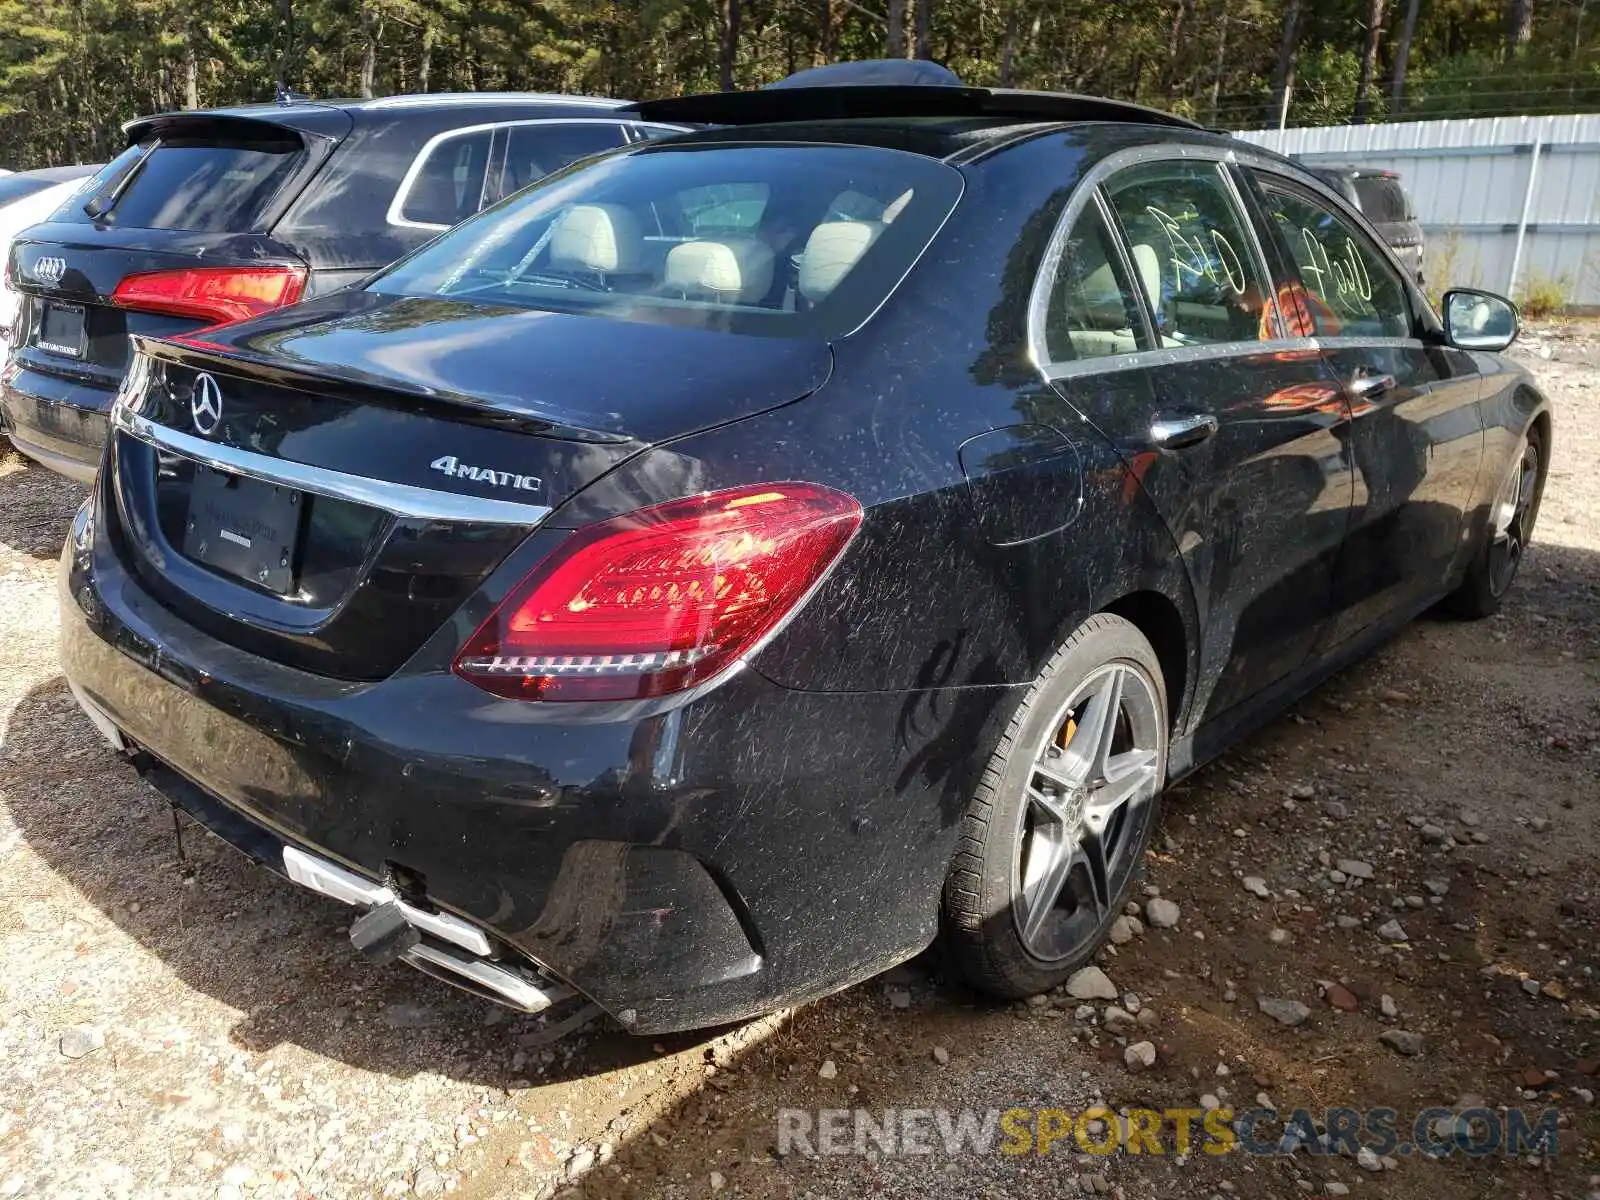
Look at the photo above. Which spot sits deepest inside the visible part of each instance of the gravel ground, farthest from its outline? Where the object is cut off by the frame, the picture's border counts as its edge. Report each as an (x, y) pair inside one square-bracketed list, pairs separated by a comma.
[(187, 1026)]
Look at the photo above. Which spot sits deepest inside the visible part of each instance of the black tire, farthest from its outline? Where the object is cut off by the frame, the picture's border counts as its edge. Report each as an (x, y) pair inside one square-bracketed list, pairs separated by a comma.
[(982, 895), (1494, 566)]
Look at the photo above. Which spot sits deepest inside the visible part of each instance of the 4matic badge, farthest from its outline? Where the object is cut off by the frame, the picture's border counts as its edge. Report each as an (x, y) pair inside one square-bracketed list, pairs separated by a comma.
[(457, 469)]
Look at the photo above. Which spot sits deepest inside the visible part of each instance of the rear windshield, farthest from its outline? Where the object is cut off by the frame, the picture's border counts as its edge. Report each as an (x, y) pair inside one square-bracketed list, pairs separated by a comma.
[(1382, 199), (778, 239), (201, 184)]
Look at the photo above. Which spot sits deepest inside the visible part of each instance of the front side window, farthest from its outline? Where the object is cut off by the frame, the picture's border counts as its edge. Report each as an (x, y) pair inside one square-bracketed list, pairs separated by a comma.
[(1092, 312), (779, 239), (1349, 288), (1203, 281), (447, 185)]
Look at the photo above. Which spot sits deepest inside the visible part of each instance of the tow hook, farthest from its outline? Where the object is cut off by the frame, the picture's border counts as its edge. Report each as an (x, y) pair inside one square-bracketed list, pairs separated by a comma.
[(383, 934)]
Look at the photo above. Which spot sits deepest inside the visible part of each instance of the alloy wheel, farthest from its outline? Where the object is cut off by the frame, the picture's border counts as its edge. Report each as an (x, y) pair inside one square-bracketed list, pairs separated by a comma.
[(1089, 792), (1512, 519)]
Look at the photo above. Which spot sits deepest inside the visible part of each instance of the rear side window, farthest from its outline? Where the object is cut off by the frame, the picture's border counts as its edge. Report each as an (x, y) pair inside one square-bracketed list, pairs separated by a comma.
[(1092, 311), (534, 151), (205, 185), (783, 240), (446, 184), (1194, 253)]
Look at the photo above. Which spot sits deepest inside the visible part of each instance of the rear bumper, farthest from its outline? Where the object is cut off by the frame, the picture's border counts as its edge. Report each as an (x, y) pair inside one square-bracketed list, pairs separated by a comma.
[(755, 848), (57, 423)]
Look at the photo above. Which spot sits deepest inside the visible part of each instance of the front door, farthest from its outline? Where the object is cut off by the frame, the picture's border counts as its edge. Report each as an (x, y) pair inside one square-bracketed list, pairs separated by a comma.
[(1230, 427), (1416, 438)]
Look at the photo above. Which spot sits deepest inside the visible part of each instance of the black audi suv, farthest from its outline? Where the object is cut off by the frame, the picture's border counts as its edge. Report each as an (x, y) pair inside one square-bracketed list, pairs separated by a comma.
[(706, 577), (216, 215), (1387, 206)]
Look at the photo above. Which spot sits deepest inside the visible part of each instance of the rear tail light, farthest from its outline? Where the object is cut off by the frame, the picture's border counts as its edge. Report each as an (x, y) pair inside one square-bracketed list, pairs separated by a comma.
[(660, 599), (214, 294)]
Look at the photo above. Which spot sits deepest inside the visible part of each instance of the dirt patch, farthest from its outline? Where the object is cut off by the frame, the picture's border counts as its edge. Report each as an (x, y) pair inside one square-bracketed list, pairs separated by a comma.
[(175, 1027)]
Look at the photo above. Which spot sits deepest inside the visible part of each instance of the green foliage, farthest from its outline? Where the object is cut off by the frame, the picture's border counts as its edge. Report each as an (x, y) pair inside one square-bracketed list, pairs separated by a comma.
[(71, 71), (1325, 91), (1538, 81), (1544, 295)]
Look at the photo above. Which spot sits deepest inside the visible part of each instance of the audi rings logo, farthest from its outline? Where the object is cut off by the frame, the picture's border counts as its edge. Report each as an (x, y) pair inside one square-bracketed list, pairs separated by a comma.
[(49, 269), (205, 405)]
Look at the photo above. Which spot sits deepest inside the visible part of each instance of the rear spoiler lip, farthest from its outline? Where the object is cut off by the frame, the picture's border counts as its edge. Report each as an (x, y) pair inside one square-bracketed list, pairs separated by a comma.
[(194, 351), (320, 121)]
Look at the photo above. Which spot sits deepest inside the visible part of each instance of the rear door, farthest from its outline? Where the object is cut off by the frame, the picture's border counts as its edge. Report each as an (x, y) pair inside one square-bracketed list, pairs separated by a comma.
[(461, 172), (534, 149), (1230, 427), (1416, 437)]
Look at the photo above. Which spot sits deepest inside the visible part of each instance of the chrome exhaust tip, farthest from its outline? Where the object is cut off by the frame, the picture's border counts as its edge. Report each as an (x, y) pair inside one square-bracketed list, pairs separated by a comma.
[(332, 880), (475, 971), (484, 978)]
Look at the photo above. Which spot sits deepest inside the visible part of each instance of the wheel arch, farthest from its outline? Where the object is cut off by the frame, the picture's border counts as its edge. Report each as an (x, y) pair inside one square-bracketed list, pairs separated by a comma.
[(1524, 410), (1158, 617), (1545, 427)]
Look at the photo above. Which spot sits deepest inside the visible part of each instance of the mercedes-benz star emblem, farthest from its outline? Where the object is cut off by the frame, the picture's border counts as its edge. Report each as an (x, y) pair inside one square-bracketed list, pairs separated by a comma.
[(205, 405)]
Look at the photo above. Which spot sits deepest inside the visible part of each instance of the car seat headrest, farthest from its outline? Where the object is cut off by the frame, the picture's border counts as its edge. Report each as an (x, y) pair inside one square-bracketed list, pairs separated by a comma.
[(597, 237)]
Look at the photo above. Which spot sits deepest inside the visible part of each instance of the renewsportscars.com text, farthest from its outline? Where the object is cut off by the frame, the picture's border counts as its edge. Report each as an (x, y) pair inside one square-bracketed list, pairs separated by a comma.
[(1431, 1132)]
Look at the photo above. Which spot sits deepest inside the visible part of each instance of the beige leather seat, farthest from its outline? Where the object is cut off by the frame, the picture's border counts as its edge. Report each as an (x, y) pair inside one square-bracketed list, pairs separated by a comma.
[(605, 238), (1147, 262), (1099, 320), (728, 270), (831, 253)]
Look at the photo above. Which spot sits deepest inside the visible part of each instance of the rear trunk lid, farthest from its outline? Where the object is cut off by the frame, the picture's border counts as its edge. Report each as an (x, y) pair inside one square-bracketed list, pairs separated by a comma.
[(326, 485), (192, 190)]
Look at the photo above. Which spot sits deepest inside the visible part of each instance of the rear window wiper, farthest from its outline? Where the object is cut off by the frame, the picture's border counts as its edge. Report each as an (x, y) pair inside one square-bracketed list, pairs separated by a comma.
[(104, 200)]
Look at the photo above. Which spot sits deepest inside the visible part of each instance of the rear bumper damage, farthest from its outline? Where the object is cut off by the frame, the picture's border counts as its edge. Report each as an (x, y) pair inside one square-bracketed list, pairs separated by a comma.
[(755, 848), (59, 424), (444, 946)]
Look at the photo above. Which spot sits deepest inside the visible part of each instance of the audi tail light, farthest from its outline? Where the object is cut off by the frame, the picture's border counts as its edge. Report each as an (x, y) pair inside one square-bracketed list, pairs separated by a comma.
[(214, 294), (660, 599)]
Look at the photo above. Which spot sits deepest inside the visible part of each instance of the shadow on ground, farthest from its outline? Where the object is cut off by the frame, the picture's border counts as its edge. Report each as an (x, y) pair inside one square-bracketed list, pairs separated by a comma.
[(36, 505), (252, 941)]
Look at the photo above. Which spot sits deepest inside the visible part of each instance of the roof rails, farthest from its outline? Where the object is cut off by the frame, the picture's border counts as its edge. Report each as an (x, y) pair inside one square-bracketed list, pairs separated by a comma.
[(858, 102), (423, 99)]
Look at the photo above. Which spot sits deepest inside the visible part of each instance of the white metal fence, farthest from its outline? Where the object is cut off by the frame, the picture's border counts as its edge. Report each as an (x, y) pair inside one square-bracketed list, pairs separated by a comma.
[(1507, 203)]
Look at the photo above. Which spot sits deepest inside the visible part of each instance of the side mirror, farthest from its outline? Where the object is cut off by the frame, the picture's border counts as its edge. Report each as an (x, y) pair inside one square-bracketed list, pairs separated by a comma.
[(1475, 320)]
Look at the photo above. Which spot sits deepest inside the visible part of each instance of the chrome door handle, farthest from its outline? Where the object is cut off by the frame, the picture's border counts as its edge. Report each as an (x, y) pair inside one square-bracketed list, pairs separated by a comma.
[(1365, 387), (1175, 433)]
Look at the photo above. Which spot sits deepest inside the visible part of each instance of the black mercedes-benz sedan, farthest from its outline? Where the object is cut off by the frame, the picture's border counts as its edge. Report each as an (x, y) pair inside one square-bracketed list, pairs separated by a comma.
[(709, 576)]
